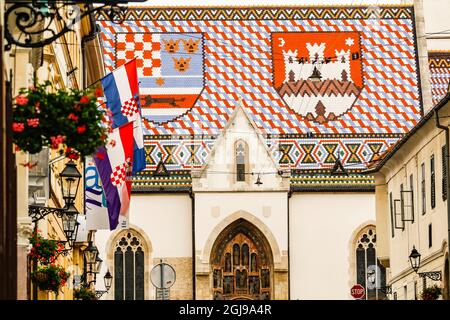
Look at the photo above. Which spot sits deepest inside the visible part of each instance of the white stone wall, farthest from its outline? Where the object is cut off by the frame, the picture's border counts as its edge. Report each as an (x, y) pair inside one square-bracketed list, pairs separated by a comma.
[(212, 209), (166, 221), (321, 231), (407, 161), (436, 21)]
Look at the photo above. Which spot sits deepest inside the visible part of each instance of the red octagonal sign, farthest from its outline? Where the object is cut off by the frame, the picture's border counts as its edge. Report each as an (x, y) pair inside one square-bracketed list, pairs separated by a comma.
[(358, 291)]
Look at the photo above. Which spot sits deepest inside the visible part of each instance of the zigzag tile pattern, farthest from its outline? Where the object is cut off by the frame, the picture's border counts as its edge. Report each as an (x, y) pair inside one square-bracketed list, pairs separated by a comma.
[(177, 154), (321, 153), (286, 13), (440, 74), (238, 64)]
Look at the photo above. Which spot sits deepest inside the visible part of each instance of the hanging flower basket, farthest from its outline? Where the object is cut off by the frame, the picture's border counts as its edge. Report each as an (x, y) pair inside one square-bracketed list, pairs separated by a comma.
[(43, 250), (50, 277), (84, 294), (431, 293), (68, 120)]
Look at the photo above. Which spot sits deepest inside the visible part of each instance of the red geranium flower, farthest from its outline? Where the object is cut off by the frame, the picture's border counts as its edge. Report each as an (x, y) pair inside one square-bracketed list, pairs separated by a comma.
[(98, 92), (57, 140), (18, 127), (21, 100), (33, 122), (84, 99), (72, 117), (81, 129)]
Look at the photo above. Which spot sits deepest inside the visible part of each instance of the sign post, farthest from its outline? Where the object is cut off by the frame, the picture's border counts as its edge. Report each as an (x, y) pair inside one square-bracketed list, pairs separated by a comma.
[(358, 291), (163, 277)]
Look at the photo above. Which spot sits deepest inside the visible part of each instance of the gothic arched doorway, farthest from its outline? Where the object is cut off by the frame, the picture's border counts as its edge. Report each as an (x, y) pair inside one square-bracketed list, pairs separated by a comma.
[(242, 263)]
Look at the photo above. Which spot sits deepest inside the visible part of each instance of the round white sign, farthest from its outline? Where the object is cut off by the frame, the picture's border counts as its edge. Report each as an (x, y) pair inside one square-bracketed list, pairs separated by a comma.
[(162, 276)]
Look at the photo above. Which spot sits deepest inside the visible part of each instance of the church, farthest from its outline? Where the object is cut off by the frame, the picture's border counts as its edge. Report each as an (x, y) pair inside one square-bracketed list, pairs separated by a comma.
[(257, 125)]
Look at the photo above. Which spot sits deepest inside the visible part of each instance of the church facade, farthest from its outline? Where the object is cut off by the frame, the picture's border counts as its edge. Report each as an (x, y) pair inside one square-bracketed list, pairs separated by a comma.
[(258, 123)]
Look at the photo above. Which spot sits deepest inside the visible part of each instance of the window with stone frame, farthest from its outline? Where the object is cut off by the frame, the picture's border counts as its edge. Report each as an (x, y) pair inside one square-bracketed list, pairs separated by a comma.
[(129, 267), (241, 159), (369, 271)]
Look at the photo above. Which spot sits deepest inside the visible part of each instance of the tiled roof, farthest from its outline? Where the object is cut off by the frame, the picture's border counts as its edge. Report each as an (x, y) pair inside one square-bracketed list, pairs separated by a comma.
[(196, 63), (440, 74), (174, 180), (326, 181)]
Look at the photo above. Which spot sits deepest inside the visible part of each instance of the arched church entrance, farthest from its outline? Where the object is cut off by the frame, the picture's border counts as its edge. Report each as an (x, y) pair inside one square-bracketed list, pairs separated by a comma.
[(242, 263)]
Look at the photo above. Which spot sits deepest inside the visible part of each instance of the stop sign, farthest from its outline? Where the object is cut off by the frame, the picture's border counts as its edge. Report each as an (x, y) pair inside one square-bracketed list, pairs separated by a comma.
[(357, 291)]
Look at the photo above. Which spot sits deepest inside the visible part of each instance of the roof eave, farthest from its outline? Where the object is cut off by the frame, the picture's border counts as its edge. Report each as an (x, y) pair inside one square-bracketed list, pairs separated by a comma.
[(407, 136)]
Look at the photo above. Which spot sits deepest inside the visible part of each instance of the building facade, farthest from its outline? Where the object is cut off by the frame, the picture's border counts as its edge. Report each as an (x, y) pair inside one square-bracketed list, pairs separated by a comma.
[(411, 200), (71, 62), (257, 125)]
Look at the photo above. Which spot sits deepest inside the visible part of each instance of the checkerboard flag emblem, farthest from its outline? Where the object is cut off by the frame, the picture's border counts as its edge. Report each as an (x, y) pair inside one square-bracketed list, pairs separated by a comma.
[(113, 163), (121, 90), (119, 174), (130, 108)]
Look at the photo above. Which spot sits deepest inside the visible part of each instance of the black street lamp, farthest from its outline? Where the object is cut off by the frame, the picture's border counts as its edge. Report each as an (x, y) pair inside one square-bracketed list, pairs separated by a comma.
[(92, 265), (414, 259), (97, 265), (108, 282), (90, 254), (69, 221), (69, 180)]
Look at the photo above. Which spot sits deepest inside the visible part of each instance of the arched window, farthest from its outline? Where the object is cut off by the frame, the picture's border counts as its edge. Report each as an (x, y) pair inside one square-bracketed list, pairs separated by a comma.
[(240, 160), (241, 264), (369, 272), (129, 267)]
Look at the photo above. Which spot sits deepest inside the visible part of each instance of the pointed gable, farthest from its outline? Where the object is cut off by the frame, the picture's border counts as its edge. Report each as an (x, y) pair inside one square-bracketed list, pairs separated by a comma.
[(220, 171)]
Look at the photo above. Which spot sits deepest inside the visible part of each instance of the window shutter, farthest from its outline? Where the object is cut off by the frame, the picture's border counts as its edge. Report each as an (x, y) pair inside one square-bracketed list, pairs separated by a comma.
[(433, 183)]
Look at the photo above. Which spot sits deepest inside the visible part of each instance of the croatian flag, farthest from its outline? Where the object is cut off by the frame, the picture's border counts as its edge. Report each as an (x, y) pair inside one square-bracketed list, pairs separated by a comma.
[(113, 163), (121, 90)]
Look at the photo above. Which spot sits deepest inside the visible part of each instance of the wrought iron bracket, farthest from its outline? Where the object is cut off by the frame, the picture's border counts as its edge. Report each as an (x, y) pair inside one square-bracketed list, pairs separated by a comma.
[(433, 275), (37, 213), (386, 289), (64, 252), (100, 293), (84, 280), (31, 23)]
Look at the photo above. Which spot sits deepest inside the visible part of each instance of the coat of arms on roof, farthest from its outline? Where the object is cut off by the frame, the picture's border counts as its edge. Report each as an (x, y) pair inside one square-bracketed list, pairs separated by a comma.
[(170, 71), (318, 74)]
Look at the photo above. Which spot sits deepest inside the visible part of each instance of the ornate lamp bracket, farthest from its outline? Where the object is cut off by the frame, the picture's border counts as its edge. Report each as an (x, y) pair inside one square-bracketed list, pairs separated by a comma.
[(37, 213), (32, 23), (433, 275)]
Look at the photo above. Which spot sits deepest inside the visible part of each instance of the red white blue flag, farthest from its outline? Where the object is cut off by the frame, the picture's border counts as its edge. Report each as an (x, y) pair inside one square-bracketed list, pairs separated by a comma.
[(121, 90), (114, 166)]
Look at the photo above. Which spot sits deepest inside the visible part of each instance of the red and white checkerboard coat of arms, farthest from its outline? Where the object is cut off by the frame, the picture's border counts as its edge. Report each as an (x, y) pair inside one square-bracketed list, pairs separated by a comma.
[(317, 74), (119, 173), (130, 107), (170, 71)]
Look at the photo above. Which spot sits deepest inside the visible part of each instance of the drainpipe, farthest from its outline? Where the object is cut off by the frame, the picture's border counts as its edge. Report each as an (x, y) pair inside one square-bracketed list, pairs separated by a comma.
[(447, 168), (191, 194), (289, 195)]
